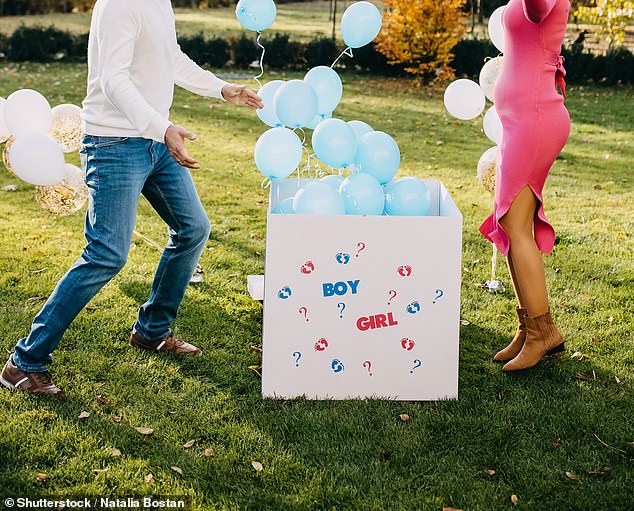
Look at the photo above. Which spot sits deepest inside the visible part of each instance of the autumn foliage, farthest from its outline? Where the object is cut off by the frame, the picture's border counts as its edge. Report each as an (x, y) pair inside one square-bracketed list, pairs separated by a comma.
[(420, 34)]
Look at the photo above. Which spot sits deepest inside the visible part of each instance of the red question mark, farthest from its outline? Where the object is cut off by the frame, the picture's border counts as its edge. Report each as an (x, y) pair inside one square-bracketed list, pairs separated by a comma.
[(392, 296), (361, 246), (304, 311), (367, 364)]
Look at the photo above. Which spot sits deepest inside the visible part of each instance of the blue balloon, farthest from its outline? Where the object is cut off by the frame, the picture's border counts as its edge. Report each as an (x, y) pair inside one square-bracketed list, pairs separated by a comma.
[(333, 180), (278, 152), (378, 154), (407, 197), (267, 114), (360, 128), (284, 207), (334, 143), (362, 194), (328, 87), (317, 119), (256, 15), (295, 104), (360, 24), (318, 198)]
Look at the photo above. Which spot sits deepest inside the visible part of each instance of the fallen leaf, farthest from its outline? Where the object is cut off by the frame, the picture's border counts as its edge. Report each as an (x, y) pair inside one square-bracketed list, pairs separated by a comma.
[(570, 475), (115, 452), (631, 444), (451, 509), (618, 381), (102, 400), (599, 473), (595, 340), (231, 275), (145, 431), (404, 417), (577, 355), (41, 477), (148, 478), (586, 298), (208, 453), (100, 470), (464, 322), (176, 469), (514, 499), (584, 377), (257, 466), (188, 445), (83, 415), (556, 443), (491, 472), (38, 270), (116, 418)]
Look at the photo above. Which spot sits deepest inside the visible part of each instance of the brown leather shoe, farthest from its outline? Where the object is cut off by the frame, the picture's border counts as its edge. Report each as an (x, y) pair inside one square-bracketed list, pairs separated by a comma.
[(543, 338), (36, 383), (169, 343), (513, 349)]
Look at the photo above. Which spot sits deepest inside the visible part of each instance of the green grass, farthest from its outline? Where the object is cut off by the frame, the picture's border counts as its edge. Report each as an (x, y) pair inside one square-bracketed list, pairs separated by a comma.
[(333, 455), (303, 21)]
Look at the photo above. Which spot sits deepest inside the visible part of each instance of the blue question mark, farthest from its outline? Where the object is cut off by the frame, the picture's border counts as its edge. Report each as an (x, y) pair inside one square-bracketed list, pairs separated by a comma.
[(417, 364), (439, 295), (297, 356), (342, 306)]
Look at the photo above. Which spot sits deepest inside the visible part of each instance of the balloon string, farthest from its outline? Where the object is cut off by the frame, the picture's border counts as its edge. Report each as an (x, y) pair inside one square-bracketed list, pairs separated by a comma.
[(257, 78), (347, 51), (266, 182)]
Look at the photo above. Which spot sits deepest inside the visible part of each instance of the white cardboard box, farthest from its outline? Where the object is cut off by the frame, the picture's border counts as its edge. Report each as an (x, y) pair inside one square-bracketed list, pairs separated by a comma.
[(362, 306)]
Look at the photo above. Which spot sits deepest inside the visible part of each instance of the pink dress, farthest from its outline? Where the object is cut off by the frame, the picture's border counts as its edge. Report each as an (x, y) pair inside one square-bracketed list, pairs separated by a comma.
[(535, 121)]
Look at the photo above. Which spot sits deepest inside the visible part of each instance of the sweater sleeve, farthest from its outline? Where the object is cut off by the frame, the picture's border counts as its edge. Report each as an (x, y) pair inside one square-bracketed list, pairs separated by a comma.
[(190, 76), (536, 11), (118, 31)]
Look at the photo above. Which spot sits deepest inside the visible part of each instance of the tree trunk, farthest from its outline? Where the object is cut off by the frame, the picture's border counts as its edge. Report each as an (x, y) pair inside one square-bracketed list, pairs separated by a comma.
[(480, 13), (334, 19)]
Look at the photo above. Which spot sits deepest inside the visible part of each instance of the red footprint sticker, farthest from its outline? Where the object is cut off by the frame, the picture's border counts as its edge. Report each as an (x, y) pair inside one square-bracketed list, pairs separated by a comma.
[(321, 345), (407, 344), (307, 268), (404, 271)]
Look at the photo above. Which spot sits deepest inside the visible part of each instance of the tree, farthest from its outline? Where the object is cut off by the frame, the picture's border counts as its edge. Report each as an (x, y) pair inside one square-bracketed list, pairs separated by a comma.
[(611, 16), (421, 34)]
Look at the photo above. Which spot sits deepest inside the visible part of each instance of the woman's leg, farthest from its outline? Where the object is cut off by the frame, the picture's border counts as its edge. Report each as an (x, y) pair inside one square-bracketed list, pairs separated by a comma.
[(516, 286), (526, 260)]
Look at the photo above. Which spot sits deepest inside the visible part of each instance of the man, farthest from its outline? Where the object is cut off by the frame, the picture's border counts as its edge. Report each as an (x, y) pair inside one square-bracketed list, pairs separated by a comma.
[(130, 147)]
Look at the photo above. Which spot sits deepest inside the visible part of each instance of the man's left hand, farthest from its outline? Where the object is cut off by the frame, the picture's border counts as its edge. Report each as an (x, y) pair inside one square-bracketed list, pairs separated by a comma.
[(240, 95)]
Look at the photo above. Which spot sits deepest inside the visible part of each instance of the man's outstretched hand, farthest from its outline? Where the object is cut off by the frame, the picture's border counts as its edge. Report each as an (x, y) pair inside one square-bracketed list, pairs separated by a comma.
[(240, 95), (175, 137)]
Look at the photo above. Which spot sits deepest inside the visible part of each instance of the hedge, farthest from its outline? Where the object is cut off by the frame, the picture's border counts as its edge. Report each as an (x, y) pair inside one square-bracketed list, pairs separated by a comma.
[(40, 44)]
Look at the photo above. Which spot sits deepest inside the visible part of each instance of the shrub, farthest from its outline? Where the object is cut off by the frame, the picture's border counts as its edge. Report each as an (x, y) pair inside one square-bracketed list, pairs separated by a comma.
[(321, 52), (213, 52), (469, 55), (245, 51), (619, 65), (368, 58), (39, 44)]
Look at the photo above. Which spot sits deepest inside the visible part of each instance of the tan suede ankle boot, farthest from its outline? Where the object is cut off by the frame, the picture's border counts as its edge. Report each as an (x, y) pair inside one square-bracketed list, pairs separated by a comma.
[(512, 350), (542, 338)]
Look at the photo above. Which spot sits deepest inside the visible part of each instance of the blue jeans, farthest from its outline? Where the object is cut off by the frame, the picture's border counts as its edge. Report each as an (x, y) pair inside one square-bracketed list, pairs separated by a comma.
[(118, 171)]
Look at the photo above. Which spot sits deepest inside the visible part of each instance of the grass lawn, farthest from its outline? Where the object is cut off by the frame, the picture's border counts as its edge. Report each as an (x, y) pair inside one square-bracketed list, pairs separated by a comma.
[(531, 429)]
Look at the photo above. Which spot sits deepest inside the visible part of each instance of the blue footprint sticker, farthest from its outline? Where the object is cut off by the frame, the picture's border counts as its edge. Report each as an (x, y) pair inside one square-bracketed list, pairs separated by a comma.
[(342, 258), (413, 308), (284, 293), (337, 365)]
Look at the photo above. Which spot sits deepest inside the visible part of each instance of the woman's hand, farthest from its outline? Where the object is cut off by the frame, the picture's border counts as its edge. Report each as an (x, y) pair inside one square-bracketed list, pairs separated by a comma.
[(175, 137), (240, 95)]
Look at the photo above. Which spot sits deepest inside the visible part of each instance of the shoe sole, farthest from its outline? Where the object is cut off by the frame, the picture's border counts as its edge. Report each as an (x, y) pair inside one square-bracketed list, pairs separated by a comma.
[(7, 384), (557, 351)]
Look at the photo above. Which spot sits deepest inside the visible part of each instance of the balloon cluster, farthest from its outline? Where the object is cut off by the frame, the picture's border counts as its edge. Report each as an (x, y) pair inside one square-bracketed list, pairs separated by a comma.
[(36, 139), (466, 99), (373, 157)]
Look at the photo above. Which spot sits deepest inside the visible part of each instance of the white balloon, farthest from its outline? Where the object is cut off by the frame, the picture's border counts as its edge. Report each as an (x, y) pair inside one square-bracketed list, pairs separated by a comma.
[(5, 134), (486, 168), (66, 127), (496, 29), (37, 159), (27, 111), (489, 75), (492, 125), (464, 99)]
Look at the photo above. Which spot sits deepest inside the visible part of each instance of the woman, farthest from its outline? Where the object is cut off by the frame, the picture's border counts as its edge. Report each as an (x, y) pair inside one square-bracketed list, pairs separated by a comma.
[(536, 126)]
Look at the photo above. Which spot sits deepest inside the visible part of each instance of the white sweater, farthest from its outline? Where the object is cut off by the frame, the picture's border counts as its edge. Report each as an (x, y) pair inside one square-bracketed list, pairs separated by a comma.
[(134, 61)]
